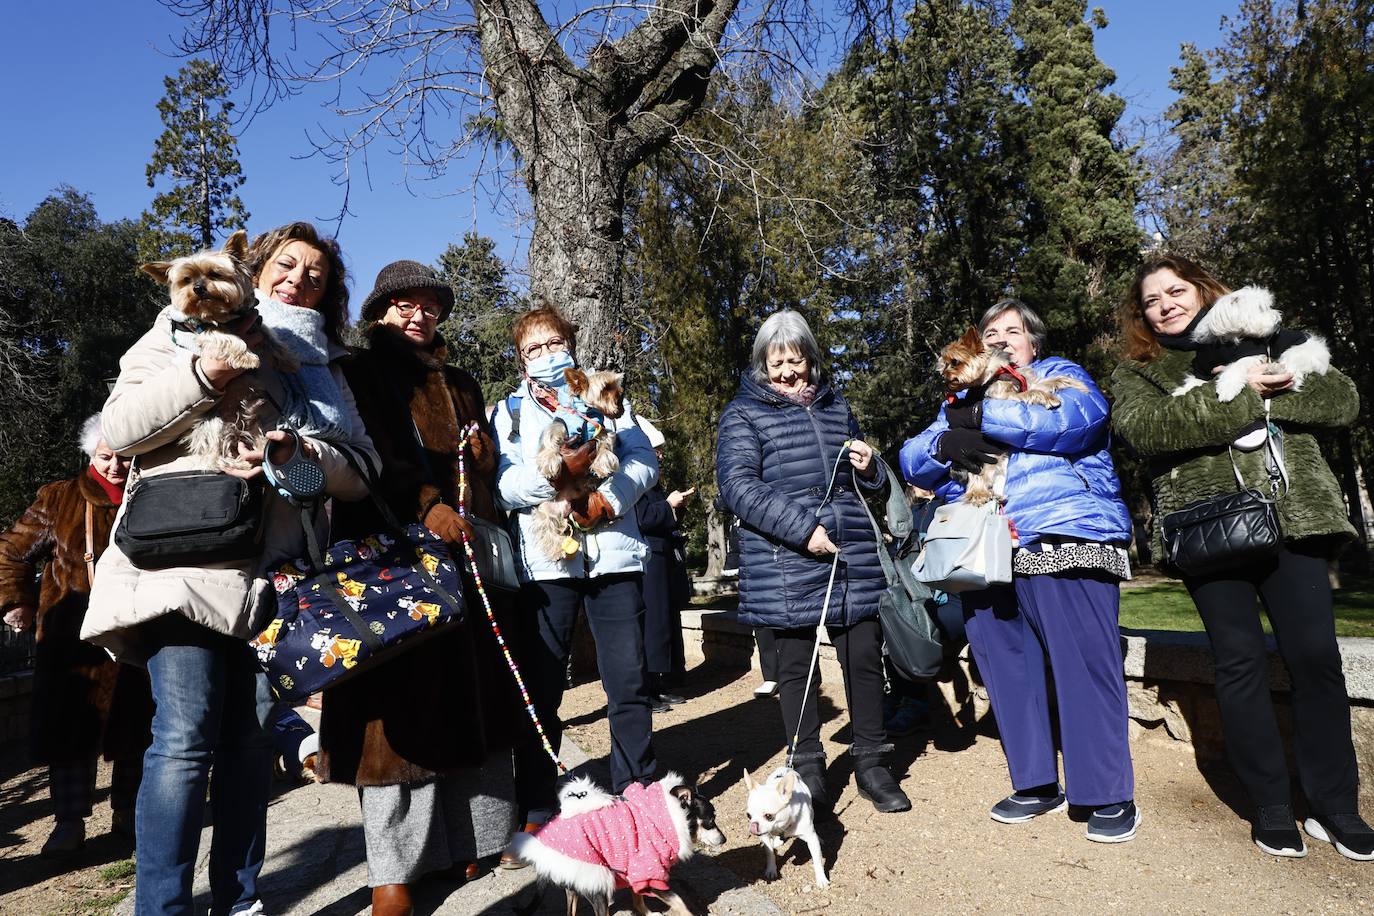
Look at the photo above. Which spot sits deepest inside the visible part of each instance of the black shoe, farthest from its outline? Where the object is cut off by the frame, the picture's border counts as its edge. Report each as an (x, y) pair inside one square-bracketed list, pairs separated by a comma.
[(659, 704), (812, 773), (1276, 833), (1351, 836), (877, 784), (658, 687)]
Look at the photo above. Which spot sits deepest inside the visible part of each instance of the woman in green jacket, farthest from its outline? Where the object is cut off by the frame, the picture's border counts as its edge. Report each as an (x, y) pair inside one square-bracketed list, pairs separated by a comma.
[(1185, 435)]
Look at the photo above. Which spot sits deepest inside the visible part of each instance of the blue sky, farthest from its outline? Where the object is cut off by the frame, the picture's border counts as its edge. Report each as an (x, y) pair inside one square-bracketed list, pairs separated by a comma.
[(79, 107)]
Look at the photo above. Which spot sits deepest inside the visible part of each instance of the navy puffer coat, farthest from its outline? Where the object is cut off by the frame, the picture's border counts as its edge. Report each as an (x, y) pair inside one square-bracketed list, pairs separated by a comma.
[(773, 463)]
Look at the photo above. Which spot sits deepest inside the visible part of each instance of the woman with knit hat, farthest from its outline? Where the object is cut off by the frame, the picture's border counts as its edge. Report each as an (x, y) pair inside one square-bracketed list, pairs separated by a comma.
[(428, 740)]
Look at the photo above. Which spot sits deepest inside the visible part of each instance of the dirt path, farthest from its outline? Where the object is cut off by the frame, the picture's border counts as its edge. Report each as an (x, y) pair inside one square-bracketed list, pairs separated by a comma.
[(1193, 853)]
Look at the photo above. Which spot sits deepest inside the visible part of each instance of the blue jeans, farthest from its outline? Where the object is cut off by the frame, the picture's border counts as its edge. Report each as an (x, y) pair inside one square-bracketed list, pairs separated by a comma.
[(615, 612), (213, 703)]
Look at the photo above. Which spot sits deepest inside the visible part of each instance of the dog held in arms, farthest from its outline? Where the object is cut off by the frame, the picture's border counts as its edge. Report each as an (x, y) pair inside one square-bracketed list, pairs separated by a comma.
[(970, 365), (209, 290), (779, 810), (586, 401), (600, 842)]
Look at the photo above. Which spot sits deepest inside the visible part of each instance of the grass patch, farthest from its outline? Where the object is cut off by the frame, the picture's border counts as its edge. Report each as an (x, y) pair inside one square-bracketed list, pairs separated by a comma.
[(118, 871), (1166, 606)]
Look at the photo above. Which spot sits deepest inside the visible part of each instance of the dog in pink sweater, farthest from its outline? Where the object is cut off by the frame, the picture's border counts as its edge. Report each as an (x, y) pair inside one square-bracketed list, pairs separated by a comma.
[(600, 842)]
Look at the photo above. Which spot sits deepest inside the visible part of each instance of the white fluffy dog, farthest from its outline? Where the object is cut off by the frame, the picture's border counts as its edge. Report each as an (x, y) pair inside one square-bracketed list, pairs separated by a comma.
[(1239, 325)]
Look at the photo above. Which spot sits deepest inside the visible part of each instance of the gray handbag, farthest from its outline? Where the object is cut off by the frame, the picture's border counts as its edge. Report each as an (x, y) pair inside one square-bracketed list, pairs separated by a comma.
[(966, 548)]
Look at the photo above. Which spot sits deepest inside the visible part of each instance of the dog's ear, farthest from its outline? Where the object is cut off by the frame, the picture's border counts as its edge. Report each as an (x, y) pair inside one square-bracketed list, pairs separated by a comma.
[(972, 339), (684, 796), (157, 270), (788, 785), (577, 380), (237, 245), (748, 780)]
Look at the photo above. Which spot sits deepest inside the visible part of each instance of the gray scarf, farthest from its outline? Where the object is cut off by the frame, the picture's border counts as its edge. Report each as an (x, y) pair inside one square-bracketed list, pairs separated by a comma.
[(314, 402)]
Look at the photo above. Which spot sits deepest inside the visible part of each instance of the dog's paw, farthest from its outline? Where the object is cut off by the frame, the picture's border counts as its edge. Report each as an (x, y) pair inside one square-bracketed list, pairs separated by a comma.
[(822, 882)]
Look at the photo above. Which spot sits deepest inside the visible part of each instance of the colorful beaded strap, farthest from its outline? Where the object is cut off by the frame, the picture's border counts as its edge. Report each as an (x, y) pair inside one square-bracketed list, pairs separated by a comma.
[(463, 440)]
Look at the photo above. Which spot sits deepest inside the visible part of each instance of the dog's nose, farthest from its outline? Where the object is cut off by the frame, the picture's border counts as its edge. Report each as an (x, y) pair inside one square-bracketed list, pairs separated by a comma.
[(199, 287)]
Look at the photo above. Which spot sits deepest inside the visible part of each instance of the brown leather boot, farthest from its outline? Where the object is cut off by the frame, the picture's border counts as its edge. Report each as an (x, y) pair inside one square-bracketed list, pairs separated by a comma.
[(391, 900)]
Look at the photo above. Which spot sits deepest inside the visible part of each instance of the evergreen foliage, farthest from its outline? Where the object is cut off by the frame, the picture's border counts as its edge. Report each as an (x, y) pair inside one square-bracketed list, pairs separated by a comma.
[(198, 156)]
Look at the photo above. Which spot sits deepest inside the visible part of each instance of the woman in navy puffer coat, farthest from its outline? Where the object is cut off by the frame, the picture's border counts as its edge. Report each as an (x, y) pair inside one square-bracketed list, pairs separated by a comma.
[(1064, 499), (780, 441)]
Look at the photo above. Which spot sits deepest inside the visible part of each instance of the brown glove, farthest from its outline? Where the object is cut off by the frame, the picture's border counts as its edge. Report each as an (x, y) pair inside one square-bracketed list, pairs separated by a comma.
[(591, 510), (576, 463), (448, 524)]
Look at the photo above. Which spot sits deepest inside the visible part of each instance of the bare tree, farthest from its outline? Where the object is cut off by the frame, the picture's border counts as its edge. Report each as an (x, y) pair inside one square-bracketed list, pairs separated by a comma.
[(580, 102)]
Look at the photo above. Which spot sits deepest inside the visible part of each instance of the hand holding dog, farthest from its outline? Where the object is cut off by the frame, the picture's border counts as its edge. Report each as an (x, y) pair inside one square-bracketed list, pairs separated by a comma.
[(277, 440), (966, 448), (1266, 383), (445, 522), (965, 413), (217, 371)]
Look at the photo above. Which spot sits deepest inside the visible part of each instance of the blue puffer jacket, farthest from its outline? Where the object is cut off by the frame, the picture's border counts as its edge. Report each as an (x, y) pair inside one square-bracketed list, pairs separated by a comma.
[(773, 463), (1060, 477)]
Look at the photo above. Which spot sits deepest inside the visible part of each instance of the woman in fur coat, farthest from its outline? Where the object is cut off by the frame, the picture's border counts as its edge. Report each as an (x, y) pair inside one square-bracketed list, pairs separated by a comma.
[(1193, 438), (427, 739), (83, 703)]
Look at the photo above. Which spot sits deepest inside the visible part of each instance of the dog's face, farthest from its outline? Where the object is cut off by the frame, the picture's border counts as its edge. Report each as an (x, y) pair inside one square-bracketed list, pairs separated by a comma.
[(210, 286), (604, 391), (701, 817), (770, 807), (969, 363)]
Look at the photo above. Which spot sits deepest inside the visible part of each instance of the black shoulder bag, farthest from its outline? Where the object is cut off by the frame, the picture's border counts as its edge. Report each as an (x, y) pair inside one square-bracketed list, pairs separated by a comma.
[(188, 518), (1223, 533)]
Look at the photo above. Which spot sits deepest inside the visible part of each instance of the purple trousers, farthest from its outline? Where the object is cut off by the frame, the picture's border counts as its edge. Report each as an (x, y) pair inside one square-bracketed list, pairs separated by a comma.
[(1072, 619)]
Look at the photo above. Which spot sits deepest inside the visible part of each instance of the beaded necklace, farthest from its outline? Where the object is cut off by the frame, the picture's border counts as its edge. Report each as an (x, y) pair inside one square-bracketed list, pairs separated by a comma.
[(464, 438)]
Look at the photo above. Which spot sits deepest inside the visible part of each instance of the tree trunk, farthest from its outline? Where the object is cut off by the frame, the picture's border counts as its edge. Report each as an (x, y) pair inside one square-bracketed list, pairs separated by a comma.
[(715, 540), (577, 248)]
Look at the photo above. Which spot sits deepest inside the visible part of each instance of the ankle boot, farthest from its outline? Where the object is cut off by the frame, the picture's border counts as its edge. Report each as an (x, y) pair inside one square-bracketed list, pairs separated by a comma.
[(877, 784), (391, 900), (811, 769)]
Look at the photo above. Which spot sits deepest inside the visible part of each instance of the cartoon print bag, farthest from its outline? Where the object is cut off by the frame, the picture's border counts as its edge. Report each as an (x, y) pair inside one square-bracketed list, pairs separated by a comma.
[(355, 604)]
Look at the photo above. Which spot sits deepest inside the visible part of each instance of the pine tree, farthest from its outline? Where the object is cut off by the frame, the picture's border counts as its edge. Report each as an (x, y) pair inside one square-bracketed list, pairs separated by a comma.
[(1081, 236), (198, 154), (484, 308)]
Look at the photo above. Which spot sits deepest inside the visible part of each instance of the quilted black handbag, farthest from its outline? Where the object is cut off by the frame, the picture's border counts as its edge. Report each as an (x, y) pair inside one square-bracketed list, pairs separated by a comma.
[(1226, 532)]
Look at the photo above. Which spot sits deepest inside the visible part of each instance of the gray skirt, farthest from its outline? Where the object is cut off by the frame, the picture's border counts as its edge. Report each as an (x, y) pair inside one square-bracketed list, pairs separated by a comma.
[(411, 831)]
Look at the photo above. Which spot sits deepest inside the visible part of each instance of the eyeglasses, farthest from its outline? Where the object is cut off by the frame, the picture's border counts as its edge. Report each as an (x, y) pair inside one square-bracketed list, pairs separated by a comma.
[(429, 309), (552, 345)]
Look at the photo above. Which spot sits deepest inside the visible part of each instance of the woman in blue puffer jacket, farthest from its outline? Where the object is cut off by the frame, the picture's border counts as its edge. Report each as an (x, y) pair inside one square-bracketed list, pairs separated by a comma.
[(1064, 500), (782, 441)]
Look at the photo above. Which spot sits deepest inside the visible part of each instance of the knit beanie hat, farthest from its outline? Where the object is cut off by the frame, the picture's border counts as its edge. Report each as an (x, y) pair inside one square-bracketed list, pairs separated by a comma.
[(399, 276)]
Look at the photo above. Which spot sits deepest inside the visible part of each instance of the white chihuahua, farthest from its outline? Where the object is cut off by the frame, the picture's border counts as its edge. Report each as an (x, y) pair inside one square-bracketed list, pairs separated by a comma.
[(779, 810)]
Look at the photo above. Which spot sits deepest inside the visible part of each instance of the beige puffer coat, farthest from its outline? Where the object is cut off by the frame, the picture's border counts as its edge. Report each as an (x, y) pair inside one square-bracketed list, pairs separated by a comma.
[(159, 396)]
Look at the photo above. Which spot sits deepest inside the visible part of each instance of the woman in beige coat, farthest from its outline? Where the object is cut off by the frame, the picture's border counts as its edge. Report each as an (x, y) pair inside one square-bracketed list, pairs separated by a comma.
[(189, 624)]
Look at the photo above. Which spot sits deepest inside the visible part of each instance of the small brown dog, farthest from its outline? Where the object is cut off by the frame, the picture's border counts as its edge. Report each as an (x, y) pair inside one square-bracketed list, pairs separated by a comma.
[(210, 289), (591, 398), (969, 364)]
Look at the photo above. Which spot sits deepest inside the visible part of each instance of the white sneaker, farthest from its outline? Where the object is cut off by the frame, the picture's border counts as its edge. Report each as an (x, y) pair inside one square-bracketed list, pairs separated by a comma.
[(766, 689)]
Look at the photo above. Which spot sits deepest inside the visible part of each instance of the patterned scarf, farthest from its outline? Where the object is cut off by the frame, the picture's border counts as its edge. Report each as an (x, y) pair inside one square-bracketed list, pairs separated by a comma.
[(314, 401), (803, 397)]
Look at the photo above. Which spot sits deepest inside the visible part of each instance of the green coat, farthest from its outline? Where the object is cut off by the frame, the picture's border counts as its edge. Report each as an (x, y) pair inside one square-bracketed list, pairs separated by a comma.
[(1183, 440)]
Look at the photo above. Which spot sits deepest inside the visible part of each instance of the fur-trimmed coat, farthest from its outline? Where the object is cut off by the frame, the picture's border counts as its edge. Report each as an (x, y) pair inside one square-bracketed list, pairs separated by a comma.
[(1184, 438), (83, 703), (451, 701)]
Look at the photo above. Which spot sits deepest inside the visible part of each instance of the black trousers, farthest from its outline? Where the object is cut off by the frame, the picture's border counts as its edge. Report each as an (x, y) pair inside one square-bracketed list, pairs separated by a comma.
[(859, 649), (615, 612), (768, 652), (1296, 595)]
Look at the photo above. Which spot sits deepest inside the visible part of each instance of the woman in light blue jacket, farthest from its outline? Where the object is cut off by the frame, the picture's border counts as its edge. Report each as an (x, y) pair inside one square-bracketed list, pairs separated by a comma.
[(1063, 496), (604, 577)]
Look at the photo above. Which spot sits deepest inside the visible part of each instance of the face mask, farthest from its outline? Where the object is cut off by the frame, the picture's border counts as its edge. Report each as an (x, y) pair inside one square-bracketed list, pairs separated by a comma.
[(548, 369)]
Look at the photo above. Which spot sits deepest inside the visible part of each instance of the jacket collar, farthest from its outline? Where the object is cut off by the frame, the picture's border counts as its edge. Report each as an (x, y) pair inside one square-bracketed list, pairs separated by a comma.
[(1167, 369), (92, 491), (388, 343), (748, 388)]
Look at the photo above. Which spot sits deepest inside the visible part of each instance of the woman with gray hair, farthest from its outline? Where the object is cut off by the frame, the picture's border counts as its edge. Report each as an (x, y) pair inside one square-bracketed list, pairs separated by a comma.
[(83, 703), (790, 462), (1072, 531)]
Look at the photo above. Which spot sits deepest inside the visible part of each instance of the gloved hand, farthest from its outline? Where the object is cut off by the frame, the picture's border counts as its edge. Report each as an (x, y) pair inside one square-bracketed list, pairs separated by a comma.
[(576, 463), (967, 448), (445, 522), (965, 413), (591, 510)]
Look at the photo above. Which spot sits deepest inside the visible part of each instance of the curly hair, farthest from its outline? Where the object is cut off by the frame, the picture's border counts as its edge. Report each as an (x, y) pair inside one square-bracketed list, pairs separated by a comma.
[(1138, 341), (334, 301), (543, 317)]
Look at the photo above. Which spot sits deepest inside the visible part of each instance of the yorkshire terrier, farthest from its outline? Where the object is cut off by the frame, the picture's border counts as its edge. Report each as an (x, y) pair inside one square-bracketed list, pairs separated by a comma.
[(210, 289), (970, 365), (586, 402)]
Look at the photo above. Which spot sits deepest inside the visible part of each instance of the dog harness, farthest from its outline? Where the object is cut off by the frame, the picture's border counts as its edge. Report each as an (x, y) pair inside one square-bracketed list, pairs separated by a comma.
[(1008, 371), (635, 838)]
